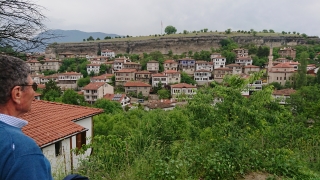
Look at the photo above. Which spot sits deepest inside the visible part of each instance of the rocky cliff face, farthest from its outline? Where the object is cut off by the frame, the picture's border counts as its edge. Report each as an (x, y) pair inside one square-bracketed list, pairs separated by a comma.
[(164, 44)]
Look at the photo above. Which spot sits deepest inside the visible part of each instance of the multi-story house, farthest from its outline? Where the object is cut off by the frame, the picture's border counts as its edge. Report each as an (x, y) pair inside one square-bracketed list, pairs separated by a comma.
[(204, 65), (183, 90), (53, 77), (96, 90), (153, 66), (50, 64), (218, 61), (173, 76), (108, 53), (236, 68), (137, 87), (37, 78), (281, 73), (287, 52), (219, 73), (241, 52), (160, 77), (95, 68), (66, 55), (283, 95), (170, 65), (143, 76), (202, 76), (255, 86), (124, 75), (68, 80), (243, 61), (34, 66), (123, 99), (132, 65), (250, 69), (187, 65), (102, 78)]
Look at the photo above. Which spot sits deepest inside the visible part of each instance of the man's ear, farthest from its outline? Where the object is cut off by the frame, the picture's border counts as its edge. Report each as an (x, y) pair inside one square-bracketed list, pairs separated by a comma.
[(16, 94)]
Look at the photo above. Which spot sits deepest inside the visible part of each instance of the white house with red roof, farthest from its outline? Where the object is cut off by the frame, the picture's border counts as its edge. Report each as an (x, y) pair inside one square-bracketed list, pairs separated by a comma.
[(108, 53), (153, 66), (244, 61), (160, 77), (95, 68), (218, 60), (143, 76), (137, 87), (102, 78), (281, 73), (96, 90), (202, 76), (283, 95), (170, 65), (68, 80), (124, 75), (123, 99), (250, 69), (59, 129), (173, 76), (183, 90), (204, 65)]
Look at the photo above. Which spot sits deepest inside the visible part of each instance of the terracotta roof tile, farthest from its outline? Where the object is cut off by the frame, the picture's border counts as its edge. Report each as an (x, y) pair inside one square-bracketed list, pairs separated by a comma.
[(283, 65), (202, 70), (110, 97), (49, 121), (93, 85), (169, 61), (143, 72), (153, 61), (159, 75), (225, 69), (231, 65), (183, 85), (126, 70), (251, 66), (103, 76), (284, 92), (136, 84), (171, 72), (70, 73)]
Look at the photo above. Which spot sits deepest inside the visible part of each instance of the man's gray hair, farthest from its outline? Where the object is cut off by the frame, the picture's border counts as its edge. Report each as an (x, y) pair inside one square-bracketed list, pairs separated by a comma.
[(13, 72)]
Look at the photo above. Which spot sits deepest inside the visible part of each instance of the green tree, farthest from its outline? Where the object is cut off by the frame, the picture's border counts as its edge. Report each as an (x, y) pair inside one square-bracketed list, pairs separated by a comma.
[(271, 31), (170, 54), (140, 96), (83, 81), (90, 38), (72, 97), (108, 106), (98, 39), (185, 78), (228, 31), (205, 30), (164, 94), (317, 79), (103, 69), (170, 30), (185, 32), (51, 91), (301, 79)]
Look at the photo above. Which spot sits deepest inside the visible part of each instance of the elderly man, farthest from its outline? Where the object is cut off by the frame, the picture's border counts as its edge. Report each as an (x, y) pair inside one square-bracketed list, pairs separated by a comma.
[(20, 156)]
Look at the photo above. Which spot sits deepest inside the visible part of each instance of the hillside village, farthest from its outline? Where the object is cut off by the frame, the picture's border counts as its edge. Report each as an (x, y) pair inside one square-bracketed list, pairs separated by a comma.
[(138, 81)]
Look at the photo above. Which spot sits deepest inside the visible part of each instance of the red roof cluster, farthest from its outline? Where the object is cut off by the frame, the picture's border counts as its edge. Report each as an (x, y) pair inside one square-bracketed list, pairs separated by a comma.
[(93, 85), (50, 121), (183, 85), (136, 84)]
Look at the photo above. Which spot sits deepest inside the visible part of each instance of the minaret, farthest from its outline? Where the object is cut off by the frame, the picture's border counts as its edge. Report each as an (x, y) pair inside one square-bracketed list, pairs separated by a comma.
[(270, 57)]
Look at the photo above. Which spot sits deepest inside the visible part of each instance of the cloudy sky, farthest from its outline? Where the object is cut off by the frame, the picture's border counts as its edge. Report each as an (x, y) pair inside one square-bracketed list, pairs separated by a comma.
[(144, 17)]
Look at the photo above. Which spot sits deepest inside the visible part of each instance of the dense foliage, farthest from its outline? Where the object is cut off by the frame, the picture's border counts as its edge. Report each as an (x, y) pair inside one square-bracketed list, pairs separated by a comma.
[(219, 134)]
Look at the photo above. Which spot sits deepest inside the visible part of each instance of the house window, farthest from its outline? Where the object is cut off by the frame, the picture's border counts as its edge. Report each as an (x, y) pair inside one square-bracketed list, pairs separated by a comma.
[(81, 139), (57, 147)]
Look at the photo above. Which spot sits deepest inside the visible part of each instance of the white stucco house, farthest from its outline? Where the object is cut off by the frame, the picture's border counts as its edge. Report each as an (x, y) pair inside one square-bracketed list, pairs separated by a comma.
[(59, 129)]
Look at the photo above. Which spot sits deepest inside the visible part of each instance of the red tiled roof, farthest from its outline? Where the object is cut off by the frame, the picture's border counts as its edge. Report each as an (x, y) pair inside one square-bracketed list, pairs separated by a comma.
[(220, 57), (110, 97), (251, 66), (41, 86), (103, 76), (202, 62), (93, 85), (183, 85), (202, 70), (93, 64), (226, 69), (171, 72), (153, 61), (126, 70), (283, 65), (236, 65), (107, 50), (159, 75), (169, 61), (136, 84), (244, 58), (33, 61), (143, 72), (70, 73), (50, 121), (132, 63), (284, 92)]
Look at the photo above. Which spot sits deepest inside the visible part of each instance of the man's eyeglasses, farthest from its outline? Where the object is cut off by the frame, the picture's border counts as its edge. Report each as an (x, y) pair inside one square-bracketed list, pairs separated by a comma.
[(34, 86)]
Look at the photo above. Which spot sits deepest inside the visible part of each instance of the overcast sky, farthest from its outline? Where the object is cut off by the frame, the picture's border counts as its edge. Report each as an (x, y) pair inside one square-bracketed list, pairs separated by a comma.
[(143, 17)]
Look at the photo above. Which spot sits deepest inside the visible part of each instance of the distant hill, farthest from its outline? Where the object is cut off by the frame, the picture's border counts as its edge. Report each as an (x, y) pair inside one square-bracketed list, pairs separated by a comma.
[(76, 35)]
